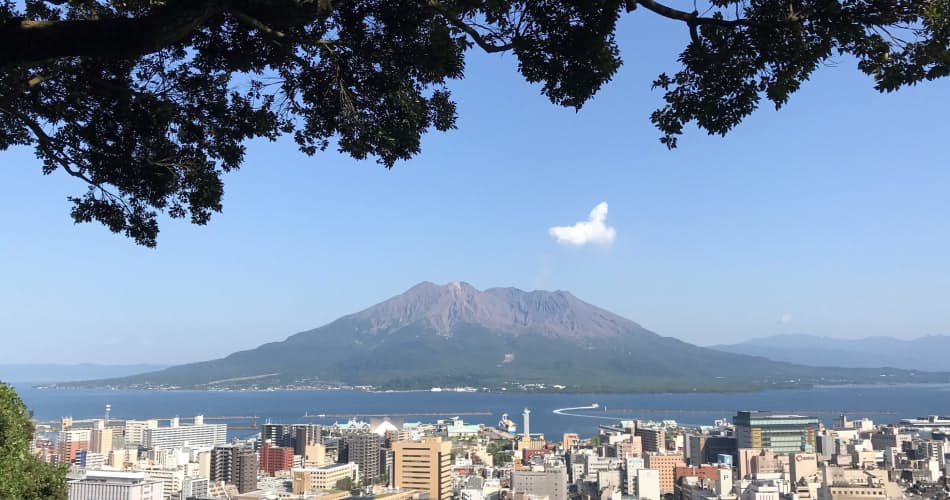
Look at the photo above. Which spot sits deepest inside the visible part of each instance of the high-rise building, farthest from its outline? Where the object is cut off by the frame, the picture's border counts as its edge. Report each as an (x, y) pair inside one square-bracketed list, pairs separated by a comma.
[(652, 439), (386, 466), (236, 465), (110, 485), (277, 434), (665, 465), (101, 438), (363, 450), (273, 458), (179, 436), (304, 435), (424, 465), (779, 432), (135, 431), (71, 443), (296, 436)]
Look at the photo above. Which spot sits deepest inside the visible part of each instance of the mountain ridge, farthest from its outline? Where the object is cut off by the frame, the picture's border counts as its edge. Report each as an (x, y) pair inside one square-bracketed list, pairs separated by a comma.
[(922, 353), (456, 335)]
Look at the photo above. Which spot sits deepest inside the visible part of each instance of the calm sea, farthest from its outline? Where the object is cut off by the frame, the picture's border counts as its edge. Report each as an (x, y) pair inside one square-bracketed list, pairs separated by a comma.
[(880, 403)]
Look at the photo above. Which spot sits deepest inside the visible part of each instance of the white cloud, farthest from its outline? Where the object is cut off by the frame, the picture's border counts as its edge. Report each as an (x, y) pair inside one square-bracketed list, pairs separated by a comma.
[(593, 231), (785, 319)]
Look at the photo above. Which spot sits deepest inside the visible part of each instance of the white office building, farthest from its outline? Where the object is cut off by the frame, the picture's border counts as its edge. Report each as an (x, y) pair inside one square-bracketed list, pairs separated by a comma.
[(179, 436), (111, 485)]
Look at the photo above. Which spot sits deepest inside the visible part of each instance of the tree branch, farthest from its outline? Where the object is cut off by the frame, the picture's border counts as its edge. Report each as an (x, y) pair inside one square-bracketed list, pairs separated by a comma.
[(470, 31), (47, 143), (23, 40), (691, 18), (28, 41)]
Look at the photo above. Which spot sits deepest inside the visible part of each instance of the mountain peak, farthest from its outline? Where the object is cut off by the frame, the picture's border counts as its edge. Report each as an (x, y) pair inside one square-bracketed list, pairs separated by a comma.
[(447, 308)]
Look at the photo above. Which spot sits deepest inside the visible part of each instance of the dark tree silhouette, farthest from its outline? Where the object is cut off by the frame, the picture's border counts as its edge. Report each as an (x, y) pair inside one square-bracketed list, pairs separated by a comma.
[(149, 102)]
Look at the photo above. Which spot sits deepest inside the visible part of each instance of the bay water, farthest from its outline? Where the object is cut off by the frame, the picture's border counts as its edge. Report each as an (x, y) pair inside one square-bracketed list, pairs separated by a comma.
[(879, 402)]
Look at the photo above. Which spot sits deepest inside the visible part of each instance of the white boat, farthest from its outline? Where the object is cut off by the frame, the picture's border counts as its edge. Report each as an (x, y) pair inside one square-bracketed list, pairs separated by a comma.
[(506, 424)]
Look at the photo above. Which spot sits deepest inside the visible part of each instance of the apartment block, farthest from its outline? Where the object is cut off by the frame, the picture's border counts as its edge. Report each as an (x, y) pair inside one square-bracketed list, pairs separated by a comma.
[(665, 465), (236, 465), (424, 465), (363, 450), (198, 434)]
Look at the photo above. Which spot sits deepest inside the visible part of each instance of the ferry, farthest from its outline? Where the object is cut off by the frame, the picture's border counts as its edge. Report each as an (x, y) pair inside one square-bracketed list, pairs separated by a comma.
[(927, 422), (506, 424)]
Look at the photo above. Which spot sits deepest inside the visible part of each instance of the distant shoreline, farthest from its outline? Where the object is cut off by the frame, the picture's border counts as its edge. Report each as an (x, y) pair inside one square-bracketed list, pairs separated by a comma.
[(44, 386)]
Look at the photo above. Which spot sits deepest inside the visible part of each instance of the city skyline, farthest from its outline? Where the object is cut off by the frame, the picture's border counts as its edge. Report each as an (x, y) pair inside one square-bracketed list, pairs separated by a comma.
[(834, 226)]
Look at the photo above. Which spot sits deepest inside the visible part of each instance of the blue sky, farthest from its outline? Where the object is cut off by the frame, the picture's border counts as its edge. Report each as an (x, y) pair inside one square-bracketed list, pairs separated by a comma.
[(829, 217)]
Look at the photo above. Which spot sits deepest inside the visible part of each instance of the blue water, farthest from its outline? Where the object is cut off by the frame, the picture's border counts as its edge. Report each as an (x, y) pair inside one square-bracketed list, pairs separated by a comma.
[(690, 409)]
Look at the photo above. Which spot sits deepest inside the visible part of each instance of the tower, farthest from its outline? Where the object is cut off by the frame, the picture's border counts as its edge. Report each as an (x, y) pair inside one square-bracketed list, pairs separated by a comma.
[(527, 425)]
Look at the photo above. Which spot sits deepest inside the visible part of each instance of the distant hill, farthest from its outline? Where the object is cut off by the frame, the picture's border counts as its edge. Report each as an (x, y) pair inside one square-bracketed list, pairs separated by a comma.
[(931, 353), (456, 335), (63, 372)]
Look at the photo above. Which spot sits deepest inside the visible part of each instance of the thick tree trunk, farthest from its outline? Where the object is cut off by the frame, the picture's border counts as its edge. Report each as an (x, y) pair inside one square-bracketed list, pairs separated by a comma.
[(33, 41)]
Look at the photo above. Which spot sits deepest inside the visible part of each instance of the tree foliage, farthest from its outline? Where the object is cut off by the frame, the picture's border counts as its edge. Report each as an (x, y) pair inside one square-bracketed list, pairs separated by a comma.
[(345, 484), (149, 102), (22, 476)]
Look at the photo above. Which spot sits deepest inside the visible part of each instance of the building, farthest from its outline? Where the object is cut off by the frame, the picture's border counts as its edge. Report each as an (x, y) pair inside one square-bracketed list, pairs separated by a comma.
[(109, 485), (665, 465), (630, 448), (646, 485), (363, 450), (314, 455), (630, 467), (424, 465), (296, 436), (704, 472), (550, 482), (277, 434), (889, 437), (194, 487), (705, 449), (100, 439), (856, 484), (71, 443), (171, 480), (314, 479), (802, 466), (652, 439), (135, 431), (569, 440), (272, 458), (778, 432), (236, 465), (305, 435), (198, 434)]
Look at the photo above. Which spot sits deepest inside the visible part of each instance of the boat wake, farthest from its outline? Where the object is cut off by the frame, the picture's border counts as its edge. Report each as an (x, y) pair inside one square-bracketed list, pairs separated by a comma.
[(567, 412)]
